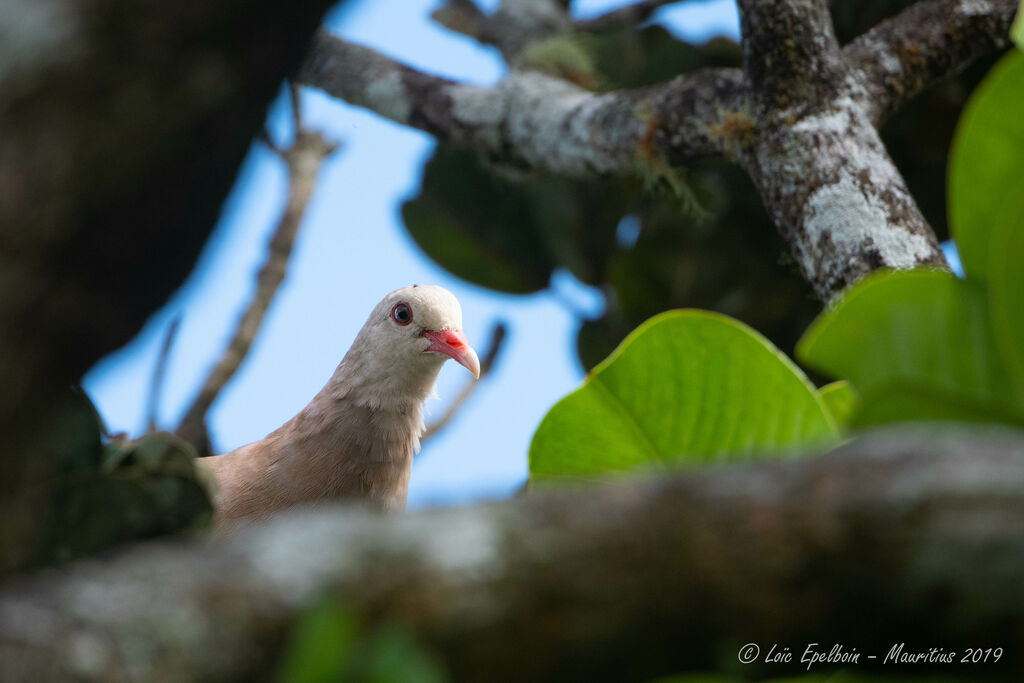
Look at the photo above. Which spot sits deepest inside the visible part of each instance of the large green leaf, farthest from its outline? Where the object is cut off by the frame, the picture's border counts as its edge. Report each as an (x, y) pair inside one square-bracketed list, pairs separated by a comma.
[(1006, 285), (921, 329), (987, 161), (686, 386)]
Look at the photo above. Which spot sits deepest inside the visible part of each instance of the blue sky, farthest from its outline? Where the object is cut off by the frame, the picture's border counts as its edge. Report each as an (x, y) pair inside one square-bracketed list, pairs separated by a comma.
[(352, 249)]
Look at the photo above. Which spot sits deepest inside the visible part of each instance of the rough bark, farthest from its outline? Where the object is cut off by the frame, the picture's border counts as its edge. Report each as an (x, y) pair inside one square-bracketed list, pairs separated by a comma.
[(926, 43), (801, 117), (122, 127), (911, 537), (818, 162), (532, 120)]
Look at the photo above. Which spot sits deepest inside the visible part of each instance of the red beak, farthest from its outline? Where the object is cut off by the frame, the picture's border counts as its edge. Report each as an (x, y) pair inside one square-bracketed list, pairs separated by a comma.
[(453, 343)]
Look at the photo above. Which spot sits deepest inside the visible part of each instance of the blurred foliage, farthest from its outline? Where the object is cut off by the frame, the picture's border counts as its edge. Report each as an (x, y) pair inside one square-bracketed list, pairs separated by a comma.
[(329, 644), (486, 226), (509, 230), (925, 345), (118, 491), (687, 387)]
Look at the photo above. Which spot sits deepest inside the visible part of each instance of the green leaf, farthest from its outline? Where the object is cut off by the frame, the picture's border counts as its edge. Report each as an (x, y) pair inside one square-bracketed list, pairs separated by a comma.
[(478, 226), (684, 387), (903, 402), (986, 163), (330, 643), (918, 329), (509, 231), (841, 401), (392, 655), (1006, 285)]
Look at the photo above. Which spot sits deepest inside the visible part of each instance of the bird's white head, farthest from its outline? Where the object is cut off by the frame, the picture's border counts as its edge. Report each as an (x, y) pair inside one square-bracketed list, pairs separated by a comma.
[(407, 338)]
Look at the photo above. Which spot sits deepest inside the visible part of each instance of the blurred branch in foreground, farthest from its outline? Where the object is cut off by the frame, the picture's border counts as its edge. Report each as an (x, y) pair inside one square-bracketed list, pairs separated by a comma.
[(911, 536), (304, 159), (498, 334)]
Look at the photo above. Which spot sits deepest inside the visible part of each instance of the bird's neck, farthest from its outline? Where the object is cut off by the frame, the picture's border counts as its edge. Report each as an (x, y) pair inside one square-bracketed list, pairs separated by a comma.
[(356, 438), (375, 381)]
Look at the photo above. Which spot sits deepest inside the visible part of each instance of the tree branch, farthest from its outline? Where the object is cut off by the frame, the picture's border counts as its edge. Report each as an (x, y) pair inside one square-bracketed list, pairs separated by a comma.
[(511, 28), (790, 53), (156, 383), (304, 159), (623, 16), (801, 119), (923, 44), (911, 537), (531, 120), (818, 161), (463, 16)]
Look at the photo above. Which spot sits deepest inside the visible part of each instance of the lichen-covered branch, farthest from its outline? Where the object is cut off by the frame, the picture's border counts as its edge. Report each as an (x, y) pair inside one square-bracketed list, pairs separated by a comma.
[(923, 44), (836, 196), (790, 53), (515, 25), (304, 158), (910, 537), (801, 118), (529, 119), (817, 160)]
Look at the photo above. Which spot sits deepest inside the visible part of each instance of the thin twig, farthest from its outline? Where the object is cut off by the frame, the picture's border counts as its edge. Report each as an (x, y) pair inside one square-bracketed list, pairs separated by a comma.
[(304, 159), (156, 384), (462, 16), (296, 104), (267, 139), (623, 16), (498, 334)]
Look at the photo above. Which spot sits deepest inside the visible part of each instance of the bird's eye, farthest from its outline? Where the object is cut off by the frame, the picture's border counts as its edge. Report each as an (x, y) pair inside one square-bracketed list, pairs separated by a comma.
[(401, 313)]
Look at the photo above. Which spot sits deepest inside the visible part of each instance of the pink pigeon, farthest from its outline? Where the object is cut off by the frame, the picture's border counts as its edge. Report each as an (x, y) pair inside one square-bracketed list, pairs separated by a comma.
[(356, 439)]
